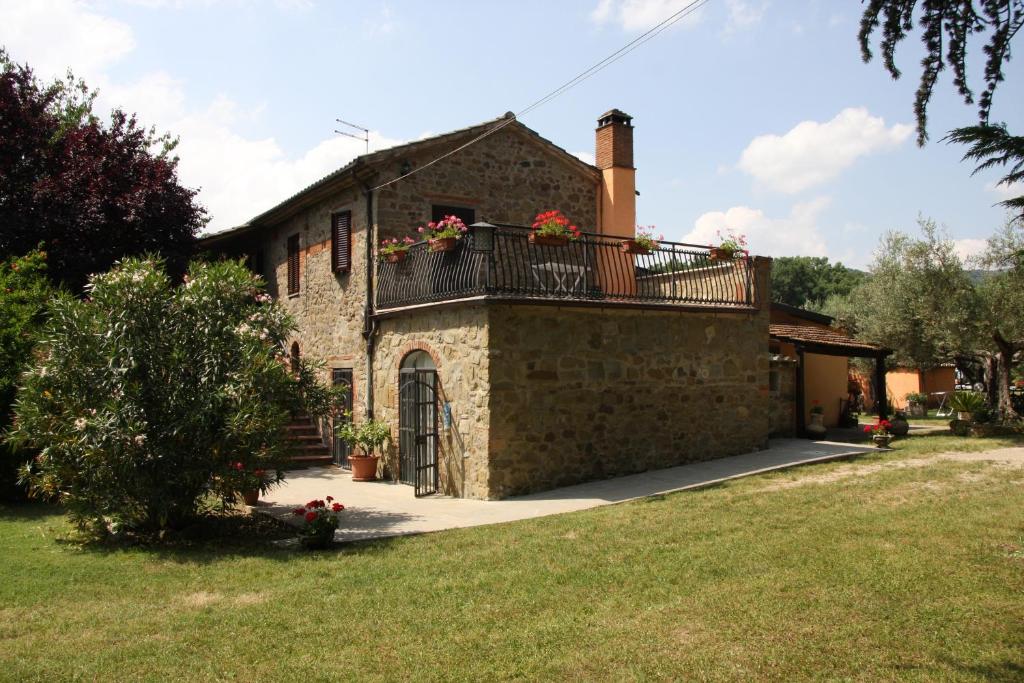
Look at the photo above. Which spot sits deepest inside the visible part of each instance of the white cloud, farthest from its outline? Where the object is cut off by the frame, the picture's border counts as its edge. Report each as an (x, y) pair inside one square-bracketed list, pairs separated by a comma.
[(813, 153), (1006, 190), (743, 14), (794, 235), (640, 15), (587, 157), (50, 35), (969, 248), (238, 176)]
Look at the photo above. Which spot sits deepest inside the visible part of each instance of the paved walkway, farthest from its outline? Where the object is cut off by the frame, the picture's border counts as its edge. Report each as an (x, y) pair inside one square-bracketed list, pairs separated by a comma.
[(382, 509)]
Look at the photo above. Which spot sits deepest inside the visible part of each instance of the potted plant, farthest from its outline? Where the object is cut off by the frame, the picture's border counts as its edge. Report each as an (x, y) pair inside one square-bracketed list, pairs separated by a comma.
[(552, 229), (817, 425), (966, 403), (730, 244), (917, 404), (444, 234), (367, 437), (643, 243), (880, 433), (394, 251), (319, 522), (249, 483), (899, 425)]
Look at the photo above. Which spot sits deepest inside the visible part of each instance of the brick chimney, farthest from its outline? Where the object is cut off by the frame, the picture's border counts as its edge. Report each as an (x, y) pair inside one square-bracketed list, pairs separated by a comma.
[(614, 156)]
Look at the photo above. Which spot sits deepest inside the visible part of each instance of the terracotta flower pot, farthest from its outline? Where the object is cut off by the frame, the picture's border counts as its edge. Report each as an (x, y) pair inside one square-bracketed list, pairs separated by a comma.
[(548, 240), (251, 497), (396, 256), (442, 244), (719, 254), (632, 247), (364, 468)]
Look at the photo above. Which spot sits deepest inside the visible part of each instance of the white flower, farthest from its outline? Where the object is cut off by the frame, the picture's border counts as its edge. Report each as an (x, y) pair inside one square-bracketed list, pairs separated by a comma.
[(80, 423), (263, 298), (140, 439)]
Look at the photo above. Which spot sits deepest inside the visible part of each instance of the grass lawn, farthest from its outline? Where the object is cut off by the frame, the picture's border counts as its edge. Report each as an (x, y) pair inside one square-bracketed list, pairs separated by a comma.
[(886, 567)]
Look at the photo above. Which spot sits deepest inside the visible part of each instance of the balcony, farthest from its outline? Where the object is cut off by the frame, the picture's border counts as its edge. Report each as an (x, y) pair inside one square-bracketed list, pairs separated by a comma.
[(498, 261)]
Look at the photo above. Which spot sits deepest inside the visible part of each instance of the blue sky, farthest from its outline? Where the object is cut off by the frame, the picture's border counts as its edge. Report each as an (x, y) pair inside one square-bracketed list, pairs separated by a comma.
[(753, 115)]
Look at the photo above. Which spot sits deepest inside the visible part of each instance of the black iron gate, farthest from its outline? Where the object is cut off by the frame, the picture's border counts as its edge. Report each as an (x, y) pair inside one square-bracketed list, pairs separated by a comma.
[(341, 449), (417, 429)]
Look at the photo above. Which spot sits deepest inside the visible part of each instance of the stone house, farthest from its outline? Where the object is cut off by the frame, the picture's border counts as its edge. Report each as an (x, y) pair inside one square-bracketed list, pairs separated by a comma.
[(506, 367)]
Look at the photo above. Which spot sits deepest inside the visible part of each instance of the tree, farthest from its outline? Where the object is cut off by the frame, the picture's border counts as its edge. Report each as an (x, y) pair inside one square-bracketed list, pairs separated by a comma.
[(146, 398), (93, 193), (24, 293), (919, 300), (947, 27), (809, 281), (1002, 295)]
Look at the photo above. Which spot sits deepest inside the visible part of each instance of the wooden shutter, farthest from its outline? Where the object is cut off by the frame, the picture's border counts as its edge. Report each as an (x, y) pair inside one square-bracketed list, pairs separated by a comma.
[(341, 242), (293, 264)]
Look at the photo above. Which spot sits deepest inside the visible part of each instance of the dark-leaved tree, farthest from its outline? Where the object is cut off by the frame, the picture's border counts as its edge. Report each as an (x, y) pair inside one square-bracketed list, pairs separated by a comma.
[(91, 192), (809, 281), (947, 28)]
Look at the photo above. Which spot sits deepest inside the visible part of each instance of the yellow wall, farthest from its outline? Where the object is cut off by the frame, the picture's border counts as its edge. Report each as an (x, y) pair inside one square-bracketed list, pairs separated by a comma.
[(903, 381), (618, 202), (899, 383), (825, 380)]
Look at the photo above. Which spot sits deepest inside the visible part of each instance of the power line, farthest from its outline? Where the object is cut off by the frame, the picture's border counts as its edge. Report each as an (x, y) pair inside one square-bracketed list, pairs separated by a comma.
[(568, 85)]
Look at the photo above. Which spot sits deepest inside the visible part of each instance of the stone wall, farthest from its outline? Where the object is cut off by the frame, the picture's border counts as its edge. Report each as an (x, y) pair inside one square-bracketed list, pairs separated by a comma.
[(508, 177), (457, 339), (579, 394)]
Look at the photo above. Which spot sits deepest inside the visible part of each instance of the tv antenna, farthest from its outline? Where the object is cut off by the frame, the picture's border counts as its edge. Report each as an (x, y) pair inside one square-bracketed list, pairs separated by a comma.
[(365, 137)]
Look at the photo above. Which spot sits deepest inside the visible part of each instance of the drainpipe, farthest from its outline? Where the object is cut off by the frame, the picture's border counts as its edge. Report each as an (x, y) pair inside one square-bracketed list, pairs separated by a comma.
[(370, 325)]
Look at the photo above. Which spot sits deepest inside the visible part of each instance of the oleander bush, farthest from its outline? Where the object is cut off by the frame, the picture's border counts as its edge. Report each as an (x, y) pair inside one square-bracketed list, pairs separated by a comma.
[(147, 399)]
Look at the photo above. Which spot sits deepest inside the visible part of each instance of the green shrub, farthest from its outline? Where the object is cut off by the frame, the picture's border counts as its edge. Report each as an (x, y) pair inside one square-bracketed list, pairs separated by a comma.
[(24, 292), (967, 401), (146, 398), (917, 397)]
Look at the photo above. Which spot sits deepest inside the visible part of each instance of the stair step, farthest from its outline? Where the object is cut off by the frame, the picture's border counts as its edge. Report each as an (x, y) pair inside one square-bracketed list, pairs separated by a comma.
[(305, 437)]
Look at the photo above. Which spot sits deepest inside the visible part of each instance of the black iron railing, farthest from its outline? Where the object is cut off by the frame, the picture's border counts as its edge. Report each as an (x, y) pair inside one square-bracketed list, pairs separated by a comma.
[(500, 261)]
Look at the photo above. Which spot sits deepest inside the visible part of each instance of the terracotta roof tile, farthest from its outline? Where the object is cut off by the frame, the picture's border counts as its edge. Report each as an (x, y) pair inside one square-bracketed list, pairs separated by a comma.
[(821, 336)]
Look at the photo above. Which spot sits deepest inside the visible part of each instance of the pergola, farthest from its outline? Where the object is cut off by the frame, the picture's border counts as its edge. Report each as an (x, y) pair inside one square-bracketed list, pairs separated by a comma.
[(830, 342)]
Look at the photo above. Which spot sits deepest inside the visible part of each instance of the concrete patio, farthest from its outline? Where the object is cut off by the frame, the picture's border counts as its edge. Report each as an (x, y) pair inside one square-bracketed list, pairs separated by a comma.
[(382, 509)]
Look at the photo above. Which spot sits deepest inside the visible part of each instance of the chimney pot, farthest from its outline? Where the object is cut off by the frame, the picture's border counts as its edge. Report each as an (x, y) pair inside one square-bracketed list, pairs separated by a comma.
[(614, 140)]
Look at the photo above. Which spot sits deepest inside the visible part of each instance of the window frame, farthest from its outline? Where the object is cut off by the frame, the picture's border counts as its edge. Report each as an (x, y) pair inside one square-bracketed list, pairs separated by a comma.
[(341, 241), (294, 265)]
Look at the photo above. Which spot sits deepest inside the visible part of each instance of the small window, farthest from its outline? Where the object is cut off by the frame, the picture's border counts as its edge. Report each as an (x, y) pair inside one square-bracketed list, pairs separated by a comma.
[(438, 212), (341, 242), (294, 357), (293, 265)]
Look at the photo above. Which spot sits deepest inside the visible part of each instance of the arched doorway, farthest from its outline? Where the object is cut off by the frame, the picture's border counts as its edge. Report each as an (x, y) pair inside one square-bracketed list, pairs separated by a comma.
[(417, 422)]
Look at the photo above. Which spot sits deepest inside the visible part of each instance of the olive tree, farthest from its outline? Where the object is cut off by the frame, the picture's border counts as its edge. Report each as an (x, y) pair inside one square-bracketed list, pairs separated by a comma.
[(145, 398)]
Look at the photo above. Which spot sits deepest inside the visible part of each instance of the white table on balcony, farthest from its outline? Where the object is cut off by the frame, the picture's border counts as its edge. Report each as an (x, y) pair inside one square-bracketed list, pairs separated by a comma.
[(566, 277)]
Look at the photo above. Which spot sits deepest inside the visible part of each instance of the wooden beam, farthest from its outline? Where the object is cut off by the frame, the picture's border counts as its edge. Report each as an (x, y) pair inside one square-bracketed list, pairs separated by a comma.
[(800, 397), (881, 399)]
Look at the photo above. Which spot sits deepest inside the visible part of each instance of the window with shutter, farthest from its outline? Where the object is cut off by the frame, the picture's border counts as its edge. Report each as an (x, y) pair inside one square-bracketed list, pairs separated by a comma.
[(293, 265), (341, 242)]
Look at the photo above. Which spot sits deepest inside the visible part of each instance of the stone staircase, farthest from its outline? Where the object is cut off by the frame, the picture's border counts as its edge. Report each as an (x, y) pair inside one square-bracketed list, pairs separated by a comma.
[(307, 448)]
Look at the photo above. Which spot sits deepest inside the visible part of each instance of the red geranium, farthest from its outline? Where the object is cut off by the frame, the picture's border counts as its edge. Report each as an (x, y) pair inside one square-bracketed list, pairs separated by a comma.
[(555, 224), (310, 516), (321, 520)]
